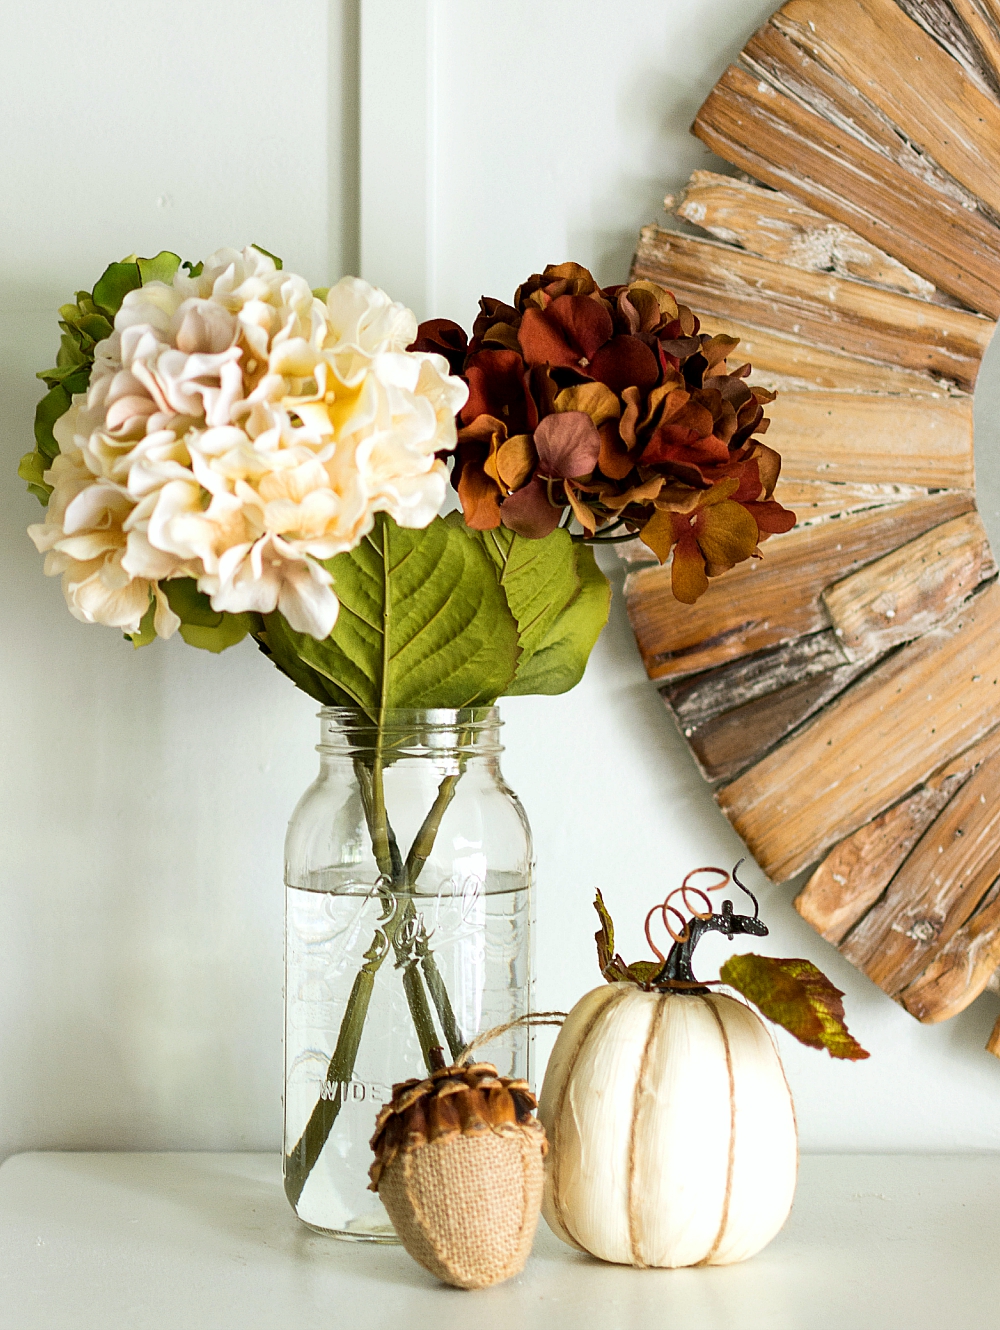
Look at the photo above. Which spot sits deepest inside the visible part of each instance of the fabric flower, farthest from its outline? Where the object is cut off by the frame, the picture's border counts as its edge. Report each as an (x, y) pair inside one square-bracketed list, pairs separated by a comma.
[(609, 404), (239, 430)]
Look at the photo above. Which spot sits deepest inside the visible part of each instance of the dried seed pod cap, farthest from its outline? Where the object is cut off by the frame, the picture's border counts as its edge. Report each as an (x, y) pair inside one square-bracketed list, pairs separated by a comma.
[(459, 1167)]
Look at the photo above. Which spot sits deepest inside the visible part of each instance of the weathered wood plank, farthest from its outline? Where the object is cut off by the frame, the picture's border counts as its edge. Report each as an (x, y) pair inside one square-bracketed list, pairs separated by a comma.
[(782, 361), (821, 308), (729, 743), (841, 172), (965, 32), (877, 742), (910, 78), (772, 224), (912, 590), (936, 890), (773, 54), (961, 969), (855, 873), (701, 698), (764, 603), (890, 601), (815, 501), (865, 439), (853, 876)]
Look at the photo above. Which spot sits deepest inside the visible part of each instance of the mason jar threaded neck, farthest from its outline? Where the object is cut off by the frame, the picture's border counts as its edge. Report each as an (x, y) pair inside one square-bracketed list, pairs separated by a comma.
[(473, 731)]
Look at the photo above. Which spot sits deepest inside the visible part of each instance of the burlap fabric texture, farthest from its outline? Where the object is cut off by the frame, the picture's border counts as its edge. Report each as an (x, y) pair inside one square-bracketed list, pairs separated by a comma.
[(459, 1165)]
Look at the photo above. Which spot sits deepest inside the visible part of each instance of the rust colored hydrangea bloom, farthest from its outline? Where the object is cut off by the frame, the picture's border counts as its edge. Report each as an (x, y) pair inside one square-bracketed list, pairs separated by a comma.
[(610, 406)]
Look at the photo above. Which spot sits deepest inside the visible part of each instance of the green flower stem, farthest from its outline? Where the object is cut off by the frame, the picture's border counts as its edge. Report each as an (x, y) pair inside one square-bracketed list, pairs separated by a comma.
[(442, 1002), (383, 838), (420, 852), (300, 1159), (423, 842), (423, 1022)]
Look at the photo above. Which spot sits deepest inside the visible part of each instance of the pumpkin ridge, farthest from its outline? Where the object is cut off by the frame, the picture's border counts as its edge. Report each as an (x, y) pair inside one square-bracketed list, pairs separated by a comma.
[(560, 1104), (731, 1161), (651, 1033)]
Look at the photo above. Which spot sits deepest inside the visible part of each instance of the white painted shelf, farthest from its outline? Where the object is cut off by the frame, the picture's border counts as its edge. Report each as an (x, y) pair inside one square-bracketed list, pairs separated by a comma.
[(207, 1242)]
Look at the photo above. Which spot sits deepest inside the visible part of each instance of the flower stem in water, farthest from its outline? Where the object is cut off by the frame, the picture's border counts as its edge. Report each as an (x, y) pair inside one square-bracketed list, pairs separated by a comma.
[(397, 935)]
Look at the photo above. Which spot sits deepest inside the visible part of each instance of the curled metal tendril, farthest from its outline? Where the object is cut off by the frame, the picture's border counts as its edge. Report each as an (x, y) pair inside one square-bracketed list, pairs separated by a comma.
[(746, 890), (687, 893)]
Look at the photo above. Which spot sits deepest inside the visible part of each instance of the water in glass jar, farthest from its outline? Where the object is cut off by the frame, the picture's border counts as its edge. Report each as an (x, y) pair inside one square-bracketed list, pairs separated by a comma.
[(475, 934)]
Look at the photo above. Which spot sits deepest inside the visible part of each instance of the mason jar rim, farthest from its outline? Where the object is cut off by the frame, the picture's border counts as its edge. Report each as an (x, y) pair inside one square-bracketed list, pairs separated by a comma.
[(406, 718)]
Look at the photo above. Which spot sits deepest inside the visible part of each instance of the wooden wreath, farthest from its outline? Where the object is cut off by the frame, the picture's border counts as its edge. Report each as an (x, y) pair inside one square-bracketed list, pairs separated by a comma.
[(844, 692)]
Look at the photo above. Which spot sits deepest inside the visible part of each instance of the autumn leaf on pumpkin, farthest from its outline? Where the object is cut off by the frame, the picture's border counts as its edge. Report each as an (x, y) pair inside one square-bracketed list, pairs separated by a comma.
[(797, 996), (613, 968)]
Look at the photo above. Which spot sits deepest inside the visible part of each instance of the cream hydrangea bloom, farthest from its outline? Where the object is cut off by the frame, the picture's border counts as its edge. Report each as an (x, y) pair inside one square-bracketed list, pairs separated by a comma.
[(236, 430)]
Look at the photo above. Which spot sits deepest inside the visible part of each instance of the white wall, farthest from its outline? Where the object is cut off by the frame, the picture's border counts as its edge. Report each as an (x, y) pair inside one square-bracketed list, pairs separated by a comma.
[(144, 795)]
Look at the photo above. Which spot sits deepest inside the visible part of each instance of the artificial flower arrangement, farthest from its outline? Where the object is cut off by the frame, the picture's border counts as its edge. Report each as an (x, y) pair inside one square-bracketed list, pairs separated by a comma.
[(224, 452), (215, 435)]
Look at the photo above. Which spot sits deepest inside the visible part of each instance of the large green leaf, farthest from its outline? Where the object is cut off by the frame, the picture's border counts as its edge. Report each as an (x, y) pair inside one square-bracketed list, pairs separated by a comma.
[(560, 600), (279, 642), (560, 658), (538, 578), (423, 623)]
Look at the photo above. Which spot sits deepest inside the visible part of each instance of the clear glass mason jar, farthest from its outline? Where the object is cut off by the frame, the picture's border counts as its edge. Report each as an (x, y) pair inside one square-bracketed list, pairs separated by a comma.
[(408, 874)]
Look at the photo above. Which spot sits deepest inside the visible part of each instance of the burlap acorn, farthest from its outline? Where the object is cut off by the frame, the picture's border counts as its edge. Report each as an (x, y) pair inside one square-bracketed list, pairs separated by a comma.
[(459, 1167)]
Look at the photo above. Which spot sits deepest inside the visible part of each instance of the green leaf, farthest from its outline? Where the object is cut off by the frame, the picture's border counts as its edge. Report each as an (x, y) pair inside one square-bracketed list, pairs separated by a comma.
[(201, 626), (189, 604), (194, 269), (233, 628), (321, 292), (422, 623), (261, 250), (797, 996), (56, 402), (538, 578), (114, 284), (644, 972), (31, 469), (95, 326), (605, 939), (147, 630), (558, 662), (159, 269), (277, 641), (560, 600)]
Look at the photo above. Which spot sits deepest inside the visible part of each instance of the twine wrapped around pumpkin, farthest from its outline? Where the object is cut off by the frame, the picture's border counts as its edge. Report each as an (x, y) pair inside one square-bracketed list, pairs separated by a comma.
[(459, 1167)]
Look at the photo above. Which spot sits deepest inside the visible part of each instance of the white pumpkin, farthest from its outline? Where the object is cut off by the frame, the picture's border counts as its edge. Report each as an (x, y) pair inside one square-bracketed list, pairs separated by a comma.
[(671, 1129)]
